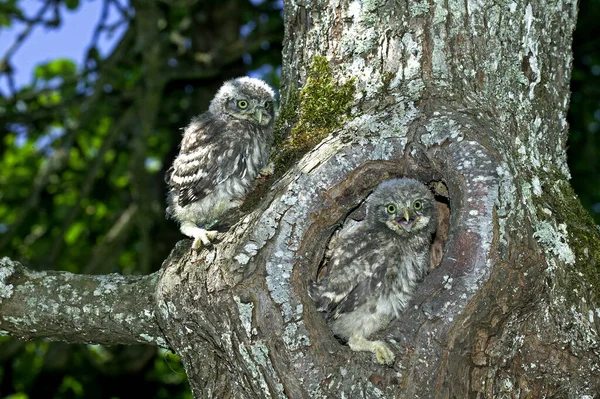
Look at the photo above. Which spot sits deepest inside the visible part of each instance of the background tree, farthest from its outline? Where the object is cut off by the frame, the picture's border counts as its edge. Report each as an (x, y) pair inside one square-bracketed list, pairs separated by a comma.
[(83, 154), (466, 97), (584, 118)]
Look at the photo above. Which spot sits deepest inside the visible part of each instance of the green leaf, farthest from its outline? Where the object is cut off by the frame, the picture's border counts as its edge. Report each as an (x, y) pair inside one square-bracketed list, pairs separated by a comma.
[(60, 67), (70, 384), (50, 99), (8, 10), (4, 20), (72, 4), (19, 395), (74, 232)]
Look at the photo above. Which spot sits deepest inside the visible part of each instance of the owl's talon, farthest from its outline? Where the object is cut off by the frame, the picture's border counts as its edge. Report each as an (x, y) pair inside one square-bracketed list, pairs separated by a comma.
[(267, 170), (201, 236), (212, 234), (199, 243), (204, 237), (383, 354)]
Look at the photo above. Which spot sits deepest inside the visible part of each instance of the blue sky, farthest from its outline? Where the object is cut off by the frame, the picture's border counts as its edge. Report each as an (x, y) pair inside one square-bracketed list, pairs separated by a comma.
[(69, 40)]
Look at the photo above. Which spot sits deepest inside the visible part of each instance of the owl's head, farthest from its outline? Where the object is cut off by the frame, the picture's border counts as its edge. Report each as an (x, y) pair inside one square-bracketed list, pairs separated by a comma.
[(246, 99), (405, 206)]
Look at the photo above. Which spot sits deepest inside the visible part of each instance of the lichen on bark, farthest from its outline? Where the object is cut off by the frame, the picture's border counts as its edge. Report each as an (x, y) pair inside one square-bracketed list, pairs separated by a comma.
[(7, 269), (557, 199)]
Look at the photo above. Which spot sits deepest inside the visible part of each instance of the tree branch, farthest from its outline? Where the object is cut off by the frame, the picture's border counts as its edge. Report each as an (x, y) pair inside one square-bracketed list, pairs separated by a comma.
[(23, 35), (109, 309)]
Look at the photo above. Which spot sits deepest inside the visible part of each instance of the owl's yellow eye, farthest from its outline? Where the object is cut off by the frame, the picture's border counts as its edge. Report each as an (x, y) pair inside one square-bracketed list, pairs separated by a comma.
[(417, 205), (391, 209), (242, 104)]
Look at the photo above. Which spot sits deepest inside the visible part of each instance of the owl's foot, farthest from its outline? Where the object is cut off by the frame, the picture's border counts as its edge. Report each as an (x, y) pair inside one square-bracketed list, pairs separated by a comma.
[(384, 355), (200, 236), (204, 238), (267, 170)]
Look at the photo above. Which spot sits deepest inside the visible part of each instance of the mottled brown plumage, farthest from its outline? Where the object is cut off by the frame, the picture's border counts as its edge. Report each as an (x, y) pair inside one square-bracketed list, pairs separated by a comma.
[(373, 266), (222, 152)]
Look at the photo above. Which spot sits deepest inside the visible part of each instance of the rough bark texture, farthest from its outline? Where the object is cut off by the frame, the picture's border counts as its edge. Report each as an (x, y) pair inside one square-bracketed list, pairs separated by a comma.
[(472, 95), (61, 306)]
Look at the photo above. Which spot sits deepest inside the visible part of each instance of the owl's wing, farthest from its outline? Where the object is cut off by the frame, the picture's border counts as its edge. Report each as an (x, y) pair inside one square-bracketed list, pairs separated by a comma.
[(207, 158), (354, 272), (360, 293)]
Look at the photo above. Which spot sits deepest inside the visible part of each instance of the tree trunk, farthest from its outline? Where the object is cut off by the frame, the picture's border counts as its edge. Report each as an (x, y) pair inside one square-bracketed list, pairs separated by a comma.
[(470, 97)]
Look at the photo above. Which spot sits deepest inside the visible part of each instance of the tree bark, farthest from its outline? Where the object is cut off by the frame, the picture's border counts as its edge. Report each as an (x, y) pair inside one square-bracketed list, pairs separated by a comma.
[(468, 96), (110, 309)]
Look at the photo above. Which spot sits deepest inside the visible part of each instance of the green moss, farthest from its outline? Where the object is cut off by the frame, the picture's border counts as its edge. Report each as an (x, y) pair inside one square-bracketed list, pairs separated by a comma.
[(319, 109), (584, 236), (304, 120)]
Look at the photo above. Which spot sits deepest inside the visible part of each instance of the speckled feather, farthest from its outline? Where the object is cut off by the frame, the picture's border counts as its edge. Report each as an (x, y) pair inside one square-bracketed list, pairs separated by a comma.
[(222, 151), (373, 269)]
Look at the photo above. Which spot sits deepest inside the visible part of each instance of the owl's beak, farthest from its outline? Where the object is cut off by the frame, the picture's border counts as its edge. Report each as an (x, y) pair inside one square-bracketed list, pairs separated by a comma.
[(406, 214), (258, 114), (406, 219)]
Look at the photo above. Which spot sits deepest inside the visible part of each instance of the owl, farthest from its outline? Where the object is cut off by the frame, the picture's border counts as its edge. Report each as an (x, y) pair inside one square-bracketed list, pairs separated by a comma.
[(222, 151), (373, 267)]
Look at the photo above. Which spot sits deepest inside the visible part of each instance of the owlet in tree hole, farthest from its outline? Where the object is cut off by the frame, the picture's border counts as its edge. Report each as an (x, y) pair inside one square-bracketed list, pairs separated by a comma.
[(373, 268), (221, 153)]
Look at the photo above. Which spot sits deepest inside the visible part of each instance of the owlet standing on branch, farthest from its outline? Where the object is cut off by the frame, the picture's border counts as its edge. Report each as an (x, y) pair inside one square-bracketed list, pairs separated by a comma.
[(222, 152), (374, 267)]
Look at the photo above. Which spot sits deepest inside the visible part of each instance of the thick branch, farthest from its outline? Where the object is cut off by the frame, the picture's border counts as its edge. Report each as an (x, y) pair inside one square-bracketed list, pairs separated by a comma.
[(109, 309)]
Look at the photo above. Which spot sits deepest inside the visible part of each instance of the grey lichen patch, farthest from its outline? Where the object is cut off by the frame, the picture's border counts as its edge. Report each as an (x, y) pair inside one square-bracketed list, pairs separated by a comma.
[(256, 372), (565, 231), (261, 355), (584, 336), (293, 338), (363, 15), (440, 129), (245, 313), (160, 341), (265, 229), (375, 128), (439, 63), (576, 232), (418, 8), (279, 273), (260, 363), (242, 258), (555, 239), (7, 270), (250, 250), (108, 284)]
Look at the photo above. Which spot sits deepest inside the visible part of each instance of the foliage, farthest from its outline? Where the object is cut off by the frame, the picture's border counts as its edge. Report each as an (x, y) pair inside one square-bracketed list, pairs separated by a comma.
[(83, 150), (584, 110)]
